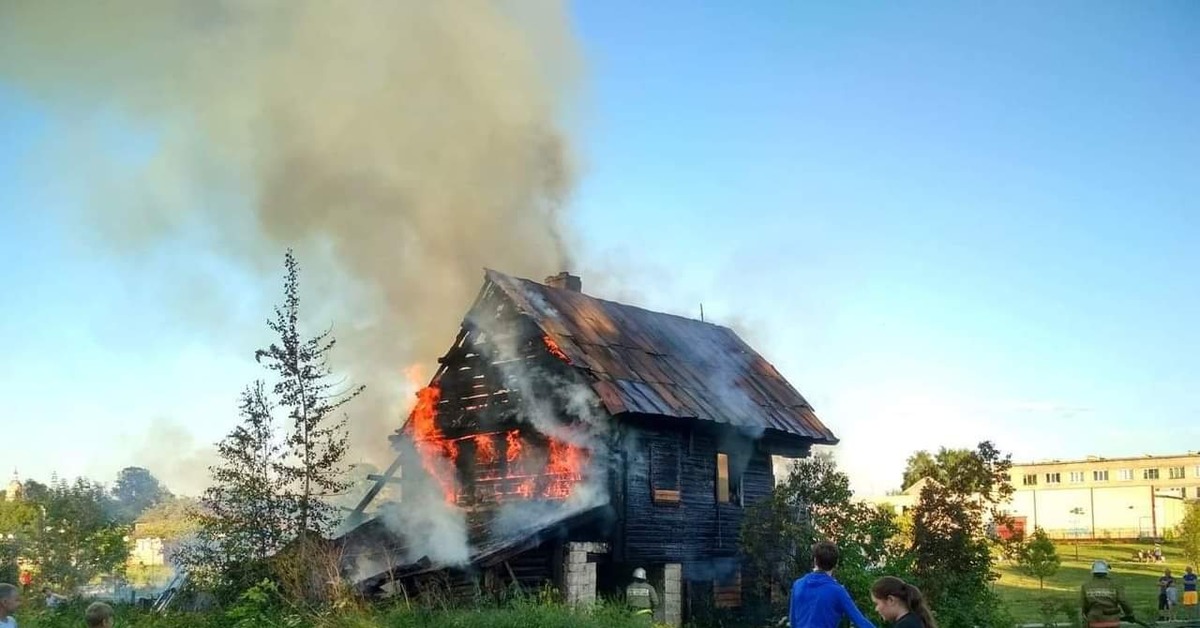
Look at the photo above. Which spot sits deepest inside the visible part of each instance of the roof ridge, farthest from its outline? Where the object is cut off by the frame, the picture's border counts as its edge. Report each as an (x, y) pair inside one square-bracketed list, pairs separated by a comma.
[(615, 302)]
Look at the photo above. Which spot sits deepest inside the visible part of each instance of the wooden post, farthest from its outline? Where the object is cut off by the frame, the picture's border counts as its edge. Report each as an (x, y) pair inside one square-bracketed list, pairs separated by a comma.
[(1153, 514)]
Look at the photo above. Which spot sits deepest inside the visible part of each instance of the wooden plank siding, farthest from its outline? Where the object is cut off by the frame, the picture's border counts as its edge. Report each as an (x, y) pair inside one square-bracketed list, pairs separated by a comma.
[(696, 528)]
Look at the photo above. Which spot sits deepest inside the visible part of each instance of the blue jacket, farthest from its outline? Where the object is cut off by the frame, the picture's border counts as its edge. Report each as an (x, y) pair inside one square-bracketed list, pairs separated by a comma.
[(819, 601)]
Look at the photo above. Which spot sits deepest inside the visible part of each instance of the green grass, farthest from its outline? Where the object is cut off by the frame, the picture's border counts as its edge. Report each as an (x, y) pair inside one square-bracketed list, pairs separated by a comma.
[(520, 615), (1024, 599)]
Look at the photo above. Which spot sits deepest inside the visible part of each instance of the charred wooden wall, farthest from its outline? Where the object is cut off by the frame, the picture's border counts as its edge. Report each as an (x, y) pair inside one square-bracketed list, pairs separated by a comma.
[(499, 360), (696, 530)]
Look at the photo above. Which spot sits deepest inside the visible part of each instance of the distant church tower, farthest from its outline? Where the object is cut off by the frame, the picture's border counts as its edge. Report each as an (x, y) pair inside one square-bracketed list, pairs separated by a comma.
[(15, 490)]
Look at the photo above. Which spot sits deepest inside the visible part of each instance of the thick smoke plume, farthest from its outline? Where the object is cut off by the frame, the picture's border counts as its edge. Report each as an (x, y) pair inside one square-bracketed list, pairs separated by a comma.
[(399, 146)]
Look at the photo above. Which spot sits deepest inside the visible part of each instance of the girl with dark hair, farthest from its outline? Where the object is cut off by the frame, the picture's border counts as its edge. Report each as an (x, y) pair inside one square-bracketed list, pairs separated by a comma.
[(901, 604)]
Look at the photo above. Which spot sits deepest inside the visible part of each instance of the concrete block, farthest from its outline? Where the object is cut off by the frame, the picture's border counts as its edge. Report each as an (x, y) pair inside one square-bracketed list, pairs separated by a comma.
[(672, 598)]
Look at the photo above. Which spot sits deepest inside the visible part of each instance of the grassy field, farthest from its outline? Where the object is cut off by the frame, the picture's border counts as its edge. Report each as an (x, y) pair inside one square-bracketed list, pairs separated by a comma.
[(1023, 597)]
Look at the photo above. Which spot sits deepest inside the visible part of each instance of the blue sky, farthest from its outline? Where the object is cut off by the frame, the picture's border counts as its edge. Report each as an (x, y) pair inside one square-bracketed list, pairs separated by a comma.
[(943, 222)]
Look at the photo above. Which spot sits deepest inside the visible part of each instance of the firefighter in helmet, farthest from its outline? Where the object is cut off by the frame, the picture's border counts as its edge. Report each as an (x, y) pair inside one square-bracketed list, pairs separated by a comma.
[(641, 596), (1103, 600)]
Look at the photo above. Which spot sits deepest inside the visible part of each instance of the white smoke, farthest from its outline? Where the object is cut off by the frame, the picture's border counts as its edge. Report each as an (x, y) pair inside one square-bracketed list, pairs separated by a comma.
[(399, 147)]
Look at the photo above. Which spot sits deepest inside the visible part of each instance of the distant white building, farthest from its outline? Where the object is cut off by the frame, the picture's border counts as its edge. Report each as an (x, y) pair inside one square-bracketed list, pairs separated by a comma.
[(1120, 498), (14, 491), (1103, 498), (149, 552), (903, 501)]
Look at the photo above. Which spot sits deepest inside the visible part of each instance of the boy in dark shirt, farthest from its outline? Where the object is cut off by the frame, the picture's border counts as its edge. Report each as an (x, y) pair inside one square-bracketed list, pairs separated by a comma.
[(1165, 583)]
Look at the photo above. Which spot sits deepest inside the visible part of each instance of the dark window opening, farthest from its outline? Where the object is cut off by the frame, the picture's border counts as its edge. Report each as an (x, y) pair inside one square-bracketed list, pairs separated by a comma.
[(664, 472)]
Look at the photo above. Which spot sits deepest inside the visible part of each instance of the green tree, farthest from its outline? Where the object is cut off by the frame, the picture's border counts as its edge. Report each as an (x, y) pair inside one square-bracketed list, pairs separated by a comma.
[(274, 483), (136, 490), (1189, 533), (815, 503), (76, 537), (35, 491), (951, 552), (1039, 558), (241, 518), (312, 469), (922, 465)]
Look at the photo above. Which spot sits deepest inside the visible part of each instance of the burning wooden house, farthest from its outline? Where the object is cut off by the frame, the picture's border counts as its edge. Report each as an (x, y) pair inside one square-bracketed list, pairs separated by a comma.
[(629, 438)]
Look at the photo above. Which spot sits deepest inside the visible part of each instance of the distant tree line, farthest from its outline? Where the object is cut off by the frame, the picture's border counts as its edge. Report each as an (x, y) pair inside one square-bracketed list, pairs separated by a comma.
[(65, 534)]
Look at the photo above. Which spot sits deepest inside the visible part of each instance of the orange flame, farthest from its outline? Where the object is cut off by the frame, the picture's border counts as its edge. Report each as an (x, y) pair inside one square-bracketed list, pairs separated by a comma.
[(485, 449), (429, 439), (555, 350), (565, 469), (514, 446), (513, 478), (525, 488)]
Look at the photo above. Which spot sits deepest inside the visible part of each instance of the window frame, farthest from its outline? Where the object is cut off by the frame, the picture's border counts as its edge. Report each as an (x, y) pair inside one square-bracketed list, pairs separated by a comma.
[(660, 454), (728, 487)]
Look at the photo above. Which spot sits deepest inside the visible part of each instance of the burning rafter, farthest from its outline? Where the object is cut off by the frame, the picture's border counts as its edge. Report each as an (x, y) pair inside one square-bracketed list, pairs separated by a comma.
[(555, 350), (524, 471)]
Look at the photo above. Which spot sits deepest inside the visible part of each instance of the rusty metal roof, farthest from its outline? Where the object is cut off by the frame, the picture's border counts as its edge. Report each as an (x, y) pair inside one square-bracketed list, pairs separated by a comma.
[(647, 362)]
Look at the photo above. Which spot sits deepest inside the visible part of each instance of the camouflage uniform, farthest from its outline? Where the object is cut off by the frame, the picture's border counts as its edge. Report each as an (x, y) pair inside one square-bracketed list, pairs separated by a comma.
[(642, 598), (1103, 602)]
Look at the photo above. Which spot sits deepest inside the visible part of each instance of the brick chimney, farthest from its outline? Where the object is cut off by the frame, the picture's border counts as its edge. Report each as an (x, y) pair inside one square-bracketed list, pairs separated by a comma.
[(565, 281)]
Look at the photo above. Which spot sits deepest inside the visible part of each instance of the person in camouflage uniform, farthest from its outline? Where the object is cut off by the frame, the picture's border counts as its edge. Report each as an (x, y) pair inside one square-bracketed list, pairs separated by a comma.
[(641, 596), (1103, 599)]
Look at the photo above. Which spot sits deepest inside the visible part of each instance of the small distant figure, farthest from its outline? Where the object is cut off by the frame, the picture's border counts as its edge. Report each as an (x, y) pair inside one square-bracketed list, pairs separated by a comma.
[(901, 604), (10, 601), (641, 596), (1190, 598), (1103, 600), (819, 601), (1158, 554), (99, 615), (1166, 586), (53, 600)]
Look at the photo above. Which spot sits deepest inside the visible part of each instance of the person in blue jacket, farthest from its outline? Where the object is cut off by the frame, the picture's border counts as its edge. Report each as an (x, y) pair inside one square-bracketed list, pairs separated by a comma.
[(819, 601)]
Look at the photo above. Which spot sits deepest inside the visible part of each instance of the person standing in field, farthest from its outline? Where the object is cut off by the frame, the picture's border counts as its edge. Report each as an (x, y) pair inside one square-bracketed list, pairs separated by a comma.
[(1189, 592), (10, 601), (819, 601), (1165, 585), (901, 604)]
